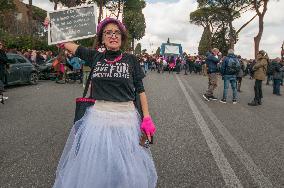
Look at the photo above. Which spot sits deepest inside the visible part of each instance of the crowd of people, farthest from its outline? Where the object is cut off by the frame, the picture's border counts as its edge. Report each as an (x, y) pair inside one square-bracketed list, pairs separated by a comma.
[(65, 64), (107, 147), (190, 64), (231, 67)]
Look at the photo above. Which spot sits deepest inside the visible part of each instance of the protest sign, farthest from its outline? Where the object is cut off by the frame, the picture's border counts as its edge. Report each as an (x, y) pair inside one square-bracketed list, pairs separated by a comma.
[(72, 24)]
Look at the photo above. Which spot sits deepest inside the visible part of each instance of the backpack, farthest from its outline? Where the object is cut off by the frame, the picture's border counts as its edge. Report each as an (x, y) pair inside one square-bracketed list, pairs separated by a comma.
[(233, 66)]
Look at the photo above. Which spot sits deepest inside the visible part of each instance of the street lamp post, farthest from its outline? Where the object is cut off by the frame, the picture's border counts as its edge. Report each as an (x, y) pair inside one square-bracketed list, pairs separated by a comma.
[(282, 51)]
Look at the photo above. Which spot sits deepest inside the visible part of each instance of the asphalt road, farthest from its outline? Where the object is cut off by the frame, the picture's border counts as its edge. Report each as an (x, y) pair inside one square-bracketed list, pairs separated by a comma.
[(198, 143)]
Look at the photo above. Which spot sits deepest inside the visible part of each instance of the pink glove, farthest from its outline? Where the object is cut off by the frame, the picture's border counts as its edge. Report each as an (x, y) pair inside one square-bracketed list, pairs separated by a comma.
[(148, 127)]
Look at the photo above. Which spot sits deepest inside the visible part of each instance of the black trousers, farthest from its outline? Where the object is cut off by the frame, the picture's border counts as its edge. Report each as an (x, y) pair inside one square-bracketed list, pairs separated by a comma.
[(2, 73), (258, 90)]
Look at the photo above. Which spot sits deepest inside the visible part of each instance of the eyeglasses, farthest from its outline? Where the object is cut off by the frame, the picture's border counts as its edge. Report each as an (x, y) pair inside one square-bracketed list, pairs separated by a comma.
[(109, 33)]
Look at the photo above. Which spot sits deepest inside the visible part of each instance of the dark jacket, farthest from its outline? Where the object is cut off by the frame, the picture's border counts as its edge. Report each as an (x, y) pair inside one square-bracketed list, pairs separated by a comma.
[(3, 57), (3, 63), (211, 62), (225, 64), (277, 71), (39, 59)]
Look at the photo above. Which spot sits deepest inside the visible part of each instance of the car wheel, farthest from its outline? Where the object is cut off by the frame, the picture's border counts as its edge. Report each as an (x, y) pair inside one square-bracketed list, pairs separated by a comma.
[(33, 78)]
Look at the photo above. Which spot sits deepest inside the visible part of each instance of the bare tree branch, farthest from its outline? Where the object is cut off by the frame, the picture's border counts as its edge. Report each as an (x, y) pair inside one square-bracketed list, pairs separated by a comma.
[(243, 26), (256, 8)]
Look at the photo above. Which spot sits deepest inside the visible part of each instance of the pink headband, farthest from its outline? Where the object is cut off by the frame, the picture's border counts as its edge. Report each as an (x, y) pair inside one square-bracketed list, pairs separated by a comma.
[(108, 20)]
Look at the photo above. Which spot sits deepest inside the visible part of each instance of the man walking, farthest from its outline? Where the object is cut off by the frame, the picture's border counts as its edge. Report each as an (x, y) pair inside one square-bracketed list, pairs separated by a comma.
[(259, 73), (186, 65), (241, 74), (277, 72), (229, 70), (212, 62)]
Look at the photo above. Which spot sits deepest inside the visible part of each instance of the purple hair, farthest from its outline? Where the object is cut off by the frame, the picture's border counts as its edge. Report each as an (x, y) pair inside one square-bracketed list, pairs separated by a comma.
[(120, 26), (108, 20)]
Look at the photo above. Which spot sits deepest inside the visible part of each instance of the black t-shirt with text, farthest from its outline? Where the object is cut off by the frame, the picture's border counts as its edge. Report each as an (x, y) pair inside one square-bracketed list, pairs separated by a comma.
[(113, 82)]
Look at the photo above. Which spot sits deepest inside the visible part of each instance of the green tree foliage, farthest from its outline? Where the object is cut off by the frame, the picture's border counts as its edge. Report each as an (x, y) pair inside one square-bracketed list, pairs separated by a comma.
[(221, 39), (137, 50), (115, 7), (134, 19), (205, 43), (38, 13), (203, 16), (26, 42), (227, 12), (68, 3), (5, 7)]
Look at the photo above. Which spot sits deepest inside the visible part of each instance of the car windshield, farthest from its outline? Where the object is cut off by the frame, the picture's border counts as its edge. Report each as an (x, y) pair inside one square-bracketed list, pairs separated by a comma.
[(11, 58)]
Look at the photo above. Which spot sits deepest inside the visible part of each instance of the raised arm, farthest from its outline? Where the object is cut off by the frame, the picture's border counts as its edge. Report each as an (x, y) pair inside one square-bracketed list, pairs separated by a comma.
[(71, 47), (260, 64), (86, 54)]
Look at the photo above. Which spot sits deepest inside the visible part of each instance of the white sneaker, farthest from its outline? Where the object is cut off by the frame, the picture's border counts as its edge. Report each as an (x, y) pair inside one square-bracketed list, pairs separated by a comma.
[(235, 101), (5, 98), (223, 101)]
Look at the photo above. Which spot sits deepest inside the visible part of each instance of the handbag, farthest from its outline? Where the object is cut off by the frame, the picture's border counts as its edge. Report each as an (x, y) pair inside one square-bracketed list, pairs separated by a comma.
[(83, 103)]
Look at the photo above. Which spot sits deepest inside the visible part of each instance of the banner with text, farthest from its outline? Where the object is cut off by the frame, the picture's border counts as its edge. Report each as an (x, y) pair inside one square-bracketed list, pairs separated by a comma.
[(72, 24)]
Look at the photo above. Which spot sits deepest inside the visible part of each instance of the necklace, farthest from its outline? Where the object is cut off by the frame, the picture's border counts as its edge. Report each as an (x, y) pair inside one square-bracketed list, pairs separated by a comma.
[(114, 61)]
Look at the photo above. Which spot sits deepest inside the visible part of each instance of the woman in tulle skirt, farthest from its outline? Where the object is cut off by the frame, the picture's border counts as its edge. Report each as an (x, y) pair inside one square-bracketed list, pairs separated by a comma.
[(102, 150)]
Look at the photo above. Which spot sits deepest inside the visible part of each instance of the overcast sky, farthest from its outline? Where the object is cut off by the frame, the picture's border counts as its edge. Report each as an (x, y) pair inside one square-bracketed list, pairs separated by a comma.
[(170, 18)]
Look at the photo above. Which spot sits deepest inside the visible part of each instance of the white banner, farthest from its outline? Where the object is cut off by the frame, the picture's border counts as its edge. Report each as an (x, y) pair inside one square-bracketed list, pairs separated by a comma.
[(171, 49)]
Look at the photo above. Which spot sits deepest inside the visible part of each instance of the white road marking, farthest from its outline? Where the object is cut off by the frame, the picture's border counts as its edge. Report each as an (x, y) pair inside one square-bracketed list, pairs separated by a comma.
[(225, 168), (246, 160)]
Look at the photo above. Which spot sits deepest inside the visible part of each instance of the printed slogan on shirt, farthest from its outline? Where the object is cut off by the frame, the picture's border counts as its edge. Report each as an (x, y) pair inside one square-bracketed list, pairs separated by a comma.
[(104, 70)]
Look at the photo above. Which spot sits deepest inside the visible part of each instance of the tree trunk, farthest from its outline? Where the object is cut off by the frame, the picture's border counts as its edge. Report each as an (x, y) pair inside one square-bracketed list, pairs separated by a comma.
[(257, 38), (100, 11), (282, 52), (119, 9), (132, 44), (99, 20), (55, 5), (232, 36), (31, 17)]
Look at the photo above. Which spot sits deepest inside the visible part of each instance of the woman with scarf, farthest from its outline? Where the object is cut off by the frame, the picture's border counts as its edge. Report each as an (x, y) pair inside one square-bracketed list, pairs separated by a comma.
[(105, 150)]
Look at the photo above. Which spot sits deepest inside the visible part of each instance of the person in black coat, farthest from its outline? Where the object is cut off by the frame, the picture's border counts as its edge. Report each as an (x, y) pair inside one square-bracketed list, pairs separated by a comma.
[(3, 65), (3, 62), (39, 58), (277, 73)]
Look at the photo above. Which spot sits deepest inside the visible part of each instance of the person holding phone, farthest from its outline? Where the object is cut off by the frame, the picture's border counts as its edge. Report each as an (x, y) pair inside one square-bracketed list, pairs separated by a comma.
[(104, 151)]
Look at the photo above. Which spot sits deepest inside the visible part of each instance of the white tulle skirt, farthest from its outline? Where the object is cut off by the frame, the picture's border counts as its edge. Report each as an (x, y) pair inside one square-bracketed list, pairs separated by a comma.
[(103, 151)]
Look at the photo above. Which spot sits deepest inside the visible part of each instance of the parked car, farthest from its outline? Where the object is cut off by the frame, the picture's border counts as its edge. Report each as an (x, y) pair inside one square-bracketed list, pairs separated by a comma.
[(20, 70), (45, 70)]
